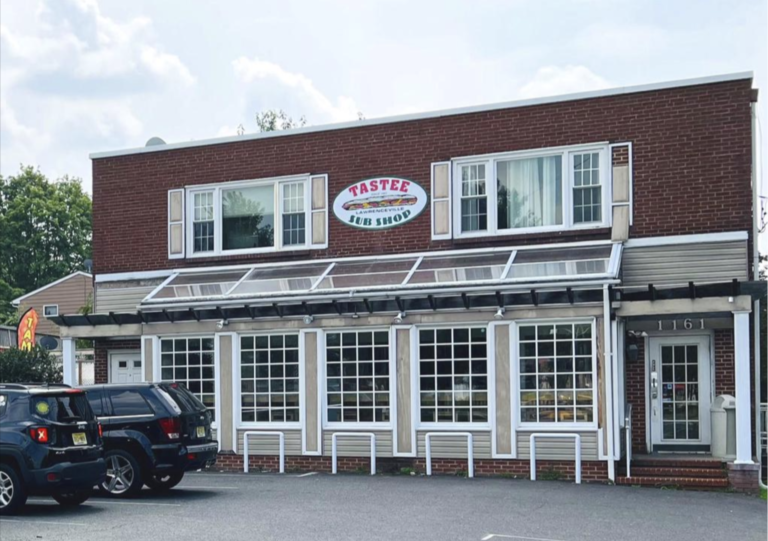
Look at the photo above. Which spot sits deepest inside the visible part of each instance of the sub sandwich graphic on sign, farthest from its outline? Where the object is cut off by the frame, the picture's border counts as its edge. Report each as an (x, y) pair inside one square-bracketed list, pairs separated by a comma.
[(380, 203)]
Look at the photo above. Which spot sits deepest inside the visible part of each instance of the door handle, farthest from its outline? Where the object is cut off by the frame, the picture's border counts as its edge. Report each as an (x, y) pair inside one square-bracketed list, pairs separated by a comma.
[(654, 385)]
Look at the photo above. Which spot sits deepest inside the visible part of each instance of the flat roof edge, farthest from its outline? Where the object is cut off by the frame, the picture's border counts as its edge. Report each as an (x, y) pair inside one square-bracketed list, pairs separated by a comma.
[(617, 91)]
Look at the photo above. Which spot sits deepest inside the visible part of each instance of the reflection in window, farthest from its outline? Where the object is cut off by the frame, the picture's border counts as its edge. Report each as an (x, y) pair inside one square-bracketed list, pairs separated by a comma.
[(190, 361), (269, 378), (248, 217), (202, 222), (474, 200), (530, 192), (556, 373), (294, 217)]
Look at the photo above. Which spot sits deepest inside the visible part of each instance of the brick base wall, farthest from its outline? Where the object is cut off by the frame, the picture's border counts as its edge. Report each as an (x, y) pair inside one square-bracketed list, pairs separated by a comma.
[(566, 470), (744, 477), (725, 382), (635, 390), (101, 356)]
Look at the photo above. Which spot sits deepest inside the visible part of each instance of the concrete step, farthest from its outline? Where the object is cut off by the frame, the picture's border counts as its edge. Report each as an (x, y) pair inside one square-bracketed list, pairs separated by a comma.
[(658, 471), (703, 463), (674, 482)]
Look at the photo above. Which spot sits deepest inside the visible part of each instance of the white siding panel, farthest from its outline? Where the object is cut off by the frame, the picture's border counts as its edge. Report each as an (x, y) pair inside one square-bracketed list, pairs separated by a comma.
[(120, 299), (359, 446), (269, 445), (557, 449), (452, 446)]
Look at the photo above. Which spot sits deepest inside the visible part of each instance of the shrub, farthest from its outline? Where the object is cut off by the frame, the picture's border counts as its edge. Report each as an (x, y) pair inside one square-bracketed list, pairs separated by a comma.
[(35, 366)]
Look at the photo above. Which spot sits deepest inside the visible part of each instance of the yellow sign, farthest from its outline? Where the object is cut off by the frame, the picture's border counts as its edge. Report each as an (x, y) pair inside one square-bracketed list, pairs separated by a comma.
[(26, 330)]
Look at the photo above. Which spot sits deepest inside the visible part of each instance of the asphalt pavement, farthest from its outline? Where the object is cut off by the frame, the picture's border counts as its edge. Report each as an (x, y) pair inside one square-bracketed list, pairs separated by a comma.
[(269, 507)]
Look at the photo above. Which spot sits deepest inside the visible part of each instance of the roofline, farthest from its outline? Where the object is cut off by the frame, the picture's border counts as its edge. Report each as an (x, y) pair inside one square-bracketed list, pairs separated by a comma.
[(16, 302), (618, 91)]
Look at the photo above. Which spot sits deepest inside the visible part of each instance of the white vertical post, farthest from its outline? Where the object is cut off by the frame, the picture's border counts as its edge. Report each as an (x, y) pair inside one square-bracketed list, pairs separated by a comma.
[(69, 351), (741, 345)]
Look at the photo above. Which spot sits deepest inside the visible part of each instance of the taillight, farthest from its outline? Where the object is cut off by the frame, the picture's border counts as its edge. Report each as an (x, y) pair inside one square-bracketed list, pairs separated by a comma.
[(39, 434), (101, 430), (172, 427)]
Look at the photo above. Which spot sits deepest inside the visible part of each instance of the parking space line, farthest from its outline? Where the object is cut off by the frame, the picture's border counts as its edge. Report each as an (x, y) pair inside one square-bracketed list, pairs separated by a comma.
[(522, 537), (117, 502), (51, 522), (307, 474), (208, 487)]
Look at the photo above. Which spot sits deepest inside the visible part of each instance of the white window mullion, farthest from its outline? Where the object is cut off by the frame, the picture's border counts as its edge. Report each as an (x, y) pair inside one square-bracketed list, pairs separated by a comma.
[(491, 191)]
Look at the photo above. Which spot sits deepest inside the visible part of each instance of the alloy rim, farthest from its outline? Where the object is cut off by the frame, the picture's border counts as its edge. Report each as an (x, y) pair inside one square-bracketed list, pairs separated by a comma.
[(6, 489), (120, 475)]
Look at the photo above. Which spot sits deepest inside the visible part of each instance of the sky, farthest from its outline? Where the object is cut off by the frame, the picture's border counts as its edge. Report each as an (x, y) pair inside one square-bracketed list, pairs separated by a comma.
[(81, 76)]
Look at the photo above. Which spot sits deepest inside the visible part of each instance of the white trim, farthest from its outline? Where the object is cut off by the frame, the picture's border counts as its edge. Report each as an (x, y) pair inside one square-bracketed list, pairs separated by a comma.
[(630, 202), (433, 114), (17, 301), (514, 384), (741, 356), (311, 212), (133, 275), (687, 239), (46, 306)]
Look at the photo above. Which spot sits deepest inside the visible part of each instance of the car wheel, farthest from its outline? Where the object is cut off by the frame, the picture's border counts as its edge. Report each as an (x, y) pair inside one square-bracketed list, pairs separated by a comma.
[(72, 499), (12, 493), (160, 482), (124, 478)]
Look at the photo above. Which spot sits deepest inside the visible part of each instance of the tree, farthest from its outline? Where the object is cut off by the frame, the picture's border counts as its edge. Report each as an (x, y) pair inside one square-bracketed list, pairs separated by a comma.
[(45, 233), (277, 119), (34, 366)]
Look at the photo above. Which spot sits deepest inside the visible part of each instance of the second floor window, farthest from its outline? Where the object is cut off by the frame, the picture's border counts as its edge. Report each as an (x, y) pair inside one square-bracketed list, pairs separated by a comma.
[(247, 217), (526, 192)]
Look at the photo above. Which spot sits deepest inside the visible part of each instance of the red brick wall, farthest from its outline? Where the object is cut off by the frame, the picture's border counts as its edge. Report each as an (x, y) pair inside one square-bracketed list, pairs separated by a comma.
[(689, 144), (725, 375), (590, 471), (101, 356), (635, 390)]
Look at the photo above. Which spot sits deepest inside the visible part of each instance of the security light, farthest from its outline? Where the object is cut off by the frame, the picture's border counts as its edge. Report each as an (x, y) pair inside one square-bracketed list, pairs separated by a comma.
[(399, 317), (499, 313), (308, 319), (222, 323)]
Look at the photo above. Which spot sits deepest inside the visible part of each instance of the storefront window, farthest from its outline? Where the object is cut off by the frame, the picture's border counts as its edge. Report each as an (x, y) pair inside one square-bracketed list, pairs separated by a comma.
[(269, 378), (453, 375), (357, 376), (556, 373), (190, 361)]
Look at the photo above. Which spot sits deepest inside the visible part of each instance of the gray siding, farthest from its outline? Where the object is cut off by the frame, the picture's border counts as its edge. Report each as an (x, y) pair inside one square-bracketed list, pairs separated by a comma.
[(681, 263), (358, 446), (122, 296), (70, 296), (557, 449), (269, 445), (450, 446)]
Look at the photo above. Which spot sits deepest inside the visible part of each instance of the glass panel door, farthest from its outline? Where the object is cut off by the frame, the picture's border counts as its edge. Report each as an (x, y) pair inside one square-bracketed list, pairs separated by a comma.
[(680, 392)]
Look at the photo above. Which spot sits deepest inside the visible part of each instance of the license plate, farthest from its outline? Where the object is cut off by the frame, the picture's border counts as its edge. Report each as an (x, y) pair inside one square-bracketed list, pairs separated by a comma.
[(200, 431), (79, 438)]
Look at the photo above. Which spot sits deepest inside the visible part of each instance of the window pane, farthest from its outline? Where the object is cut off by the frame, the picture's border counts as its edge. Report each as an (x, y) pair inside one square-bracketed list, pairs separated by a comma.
[(275, 279), (129, 403), (474, 201), (559, 262), (587, 194), (200, 285), (202, 222), (460, 269), (273, 391), (364, 384), (367, 274), (530, 192), (294, 217), (188, 353), (248, 217), (453, 354)]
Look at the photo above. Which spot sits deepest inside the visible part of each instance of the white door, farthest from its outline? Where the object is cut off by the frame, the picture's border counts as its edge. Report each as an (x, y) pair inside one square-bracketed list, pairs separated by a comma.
[(125, 367), (680, 388)]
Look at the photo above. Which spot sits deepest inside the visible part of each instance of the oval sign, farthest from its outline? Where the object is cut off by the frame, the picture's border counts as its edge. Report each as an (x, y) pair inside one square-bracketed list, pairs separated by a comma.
[(380, 203)]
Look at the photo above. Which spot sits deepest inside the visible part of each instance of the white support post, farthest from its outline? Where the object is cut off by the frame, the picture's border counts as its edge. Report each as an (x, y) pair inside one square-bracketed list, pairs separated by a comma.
[(369, 435), (741, 344), (577, 441), (69, 353), (470, 449), (281, 437)]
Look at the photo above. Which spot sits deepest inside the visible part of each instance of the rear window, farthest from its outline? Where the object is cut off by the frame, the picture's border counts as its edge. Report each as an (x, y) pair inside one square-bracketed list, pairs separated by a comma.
[(129, 402), (182, 398), (62, 408)]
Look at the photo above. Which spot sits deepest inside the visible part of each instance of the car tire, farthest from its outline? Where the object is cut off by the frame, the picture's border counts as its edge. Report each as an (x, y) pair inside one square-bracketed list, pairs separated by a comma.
[(162, 482), (124, 475), (13, 495), (72, 499)]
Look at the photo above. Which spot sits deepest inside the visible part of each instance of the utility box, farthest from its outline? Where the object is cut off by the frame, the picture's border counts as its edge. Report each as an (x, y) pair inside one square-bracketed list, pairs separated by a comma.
[(723, 415)]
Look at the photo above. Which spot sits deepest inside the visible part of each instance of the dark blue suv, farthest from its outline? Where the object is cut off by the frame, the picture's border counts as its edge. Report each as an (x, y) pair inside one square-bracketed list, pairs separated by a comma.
[(50, 444)]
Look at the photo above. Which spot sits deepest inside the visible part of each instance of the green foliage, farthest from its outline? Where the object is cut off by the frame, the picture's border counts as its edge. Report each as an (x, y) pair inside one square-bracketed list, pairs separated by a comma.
[(35, 366), (550, 475), (277, 119), (45, 233)]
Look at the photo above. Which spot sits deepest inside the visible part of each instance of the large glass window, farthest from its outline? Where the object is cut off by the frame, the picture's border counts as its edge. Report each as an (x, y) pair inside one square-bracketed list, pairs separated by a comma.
[(556, 373), (474, 199), (530, 192), (269, 378), (248, 217), (202, 222), (190, 361), (587, 200), (294, 215), (453, 375), (357, 376)]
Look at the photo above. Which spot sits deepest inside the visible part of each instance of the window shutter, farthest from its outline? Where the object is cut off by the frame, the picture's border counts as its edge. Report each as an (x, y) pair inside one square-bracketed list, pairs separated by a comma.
[(319, 211), (175, 224), (441, 200), (621, 190)]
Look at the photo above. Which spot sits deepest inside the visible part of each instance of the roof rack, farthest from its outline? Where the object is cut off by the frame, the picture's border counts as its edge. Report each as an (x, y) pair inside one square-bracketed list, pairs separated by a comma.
[(27, 385)]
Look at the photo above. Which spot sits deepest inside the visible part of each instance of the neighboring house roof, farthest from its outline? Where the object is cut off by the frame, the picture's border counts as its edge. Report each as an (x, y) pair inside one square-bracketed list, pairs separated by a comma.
[(16, 302)]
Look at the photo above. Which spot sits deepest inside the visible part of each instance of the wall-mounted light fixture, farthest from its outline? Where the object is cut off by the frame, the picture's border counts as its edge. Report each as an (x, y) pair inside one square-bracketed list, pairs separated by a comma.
[(399, 318), (499, 313)]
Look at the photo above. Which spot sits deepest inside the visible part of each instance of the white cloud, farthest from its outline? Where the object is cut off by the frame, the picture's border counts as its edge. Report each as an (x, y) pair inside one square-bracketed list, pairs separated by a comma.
[(270, 78), (555, 80)]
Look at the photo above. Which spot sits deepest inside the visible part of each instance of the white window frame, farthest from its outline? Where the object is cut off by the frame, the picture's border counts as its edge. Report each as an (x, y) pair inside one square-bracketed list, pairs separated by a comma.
[(237, 389), (515, 371), (45, 309), (490, 367), (566, 153), (158, 368), (323, 379), (216, 189)]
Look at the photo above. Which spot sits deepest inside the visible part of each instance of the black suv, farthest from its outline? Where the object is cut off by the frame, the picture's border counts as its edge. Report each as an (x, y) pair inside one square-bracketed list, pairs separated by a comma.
[(153, 433), (50, 445)]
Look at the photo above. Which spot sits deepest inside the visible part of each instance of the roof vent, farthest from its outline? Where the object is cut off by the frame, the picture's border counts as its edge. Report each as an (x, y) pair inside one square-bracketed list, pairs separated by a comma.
[(154, 141)]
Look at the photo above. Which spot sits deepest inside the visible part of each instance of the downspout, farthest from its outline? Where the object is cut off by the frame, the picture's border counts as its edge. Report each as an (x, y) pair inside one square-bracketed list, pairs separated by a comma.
[(609, 387), (758, 398), (755, 197)]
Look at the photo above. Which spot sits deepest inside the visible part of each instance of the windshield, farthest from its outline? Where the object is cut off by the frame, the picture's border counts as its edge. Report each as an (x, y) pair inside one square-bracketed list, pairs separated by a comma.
[(62, 408)]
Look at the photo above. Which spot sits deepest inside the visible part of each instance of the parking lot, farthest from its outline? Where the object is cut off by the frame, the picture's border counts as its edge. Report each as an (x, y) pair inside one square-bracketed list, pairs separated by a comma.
[(268, 507)]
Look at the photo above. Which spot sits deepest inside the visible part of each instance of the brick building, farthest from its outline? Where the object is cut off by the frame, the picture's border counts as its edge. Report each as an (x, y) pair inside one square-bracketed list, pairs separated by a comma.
[(533, 267)]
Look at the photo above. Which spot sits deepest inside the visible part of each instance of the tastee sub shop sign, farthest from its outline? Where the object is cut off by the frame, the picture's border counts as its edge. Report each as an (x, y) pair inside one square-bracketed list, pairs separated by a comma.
[(380, 203)]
